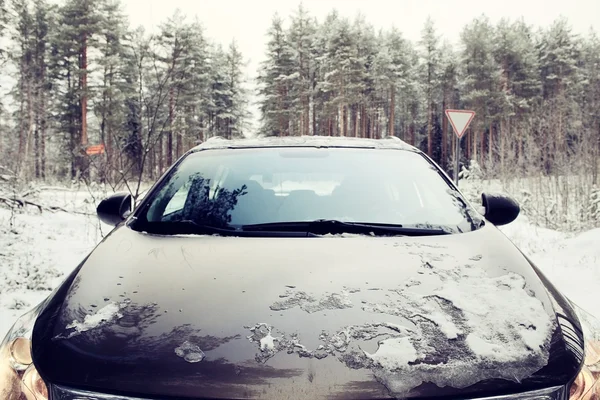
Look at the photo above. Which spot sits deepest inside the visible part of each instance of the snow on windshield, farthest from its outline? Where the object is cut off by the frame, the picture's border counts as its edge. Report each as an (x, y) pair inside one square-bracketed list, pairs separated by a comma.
[(451, 324)]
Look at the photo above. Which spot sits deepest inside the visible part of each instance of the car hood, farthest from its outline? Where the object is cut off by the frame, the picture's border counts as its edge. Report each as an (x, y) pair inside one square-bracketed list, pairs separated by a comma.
[(336, 316)]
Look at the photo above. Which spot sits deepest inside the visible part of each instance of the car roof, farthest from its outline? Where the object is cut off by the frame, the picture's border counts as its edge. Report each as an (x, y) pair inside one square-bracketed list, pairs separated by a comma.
[(390, 142)]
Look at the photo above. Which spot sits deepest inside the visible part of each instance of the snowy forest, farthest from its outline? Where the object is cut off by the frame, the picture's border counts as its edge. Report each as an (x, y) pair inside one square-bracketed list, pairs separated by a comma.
[(75, 74), (81, 76)]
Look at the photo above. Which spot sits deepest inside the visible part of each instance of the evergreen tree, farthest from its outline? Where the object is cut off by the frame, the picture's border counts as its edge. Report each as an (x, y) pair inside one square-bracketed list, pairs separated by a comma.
[(23, 93), (449, 66), (274, 85), (514, 52), (480, 85), (430, 78), (110, 104), (366, 52), (80, 23), (559, 52), (236, 110), (300, 38)]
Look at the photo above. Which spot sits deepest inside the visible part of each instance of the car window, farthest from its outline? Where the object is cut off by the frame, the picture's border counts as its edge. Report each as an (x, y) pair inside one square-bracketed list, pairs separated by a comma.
[(236, 187)]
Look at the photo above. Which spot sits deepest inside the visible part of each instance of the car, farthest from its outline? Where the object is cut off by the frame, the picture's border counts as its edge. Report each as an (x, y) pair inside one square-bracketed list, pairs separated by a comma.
[(304, 268)]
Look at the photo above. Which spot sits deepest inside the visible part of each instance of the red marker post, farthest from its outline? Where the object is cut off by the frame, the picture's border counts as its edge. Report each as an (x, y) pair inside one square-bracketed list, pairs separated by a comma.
[(460, 120)]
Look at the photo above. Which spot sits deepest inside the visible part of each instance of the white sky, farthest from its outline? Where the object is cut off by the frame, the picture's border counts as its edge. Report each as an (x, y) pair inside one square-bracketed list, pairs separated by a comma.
[(247, 21)]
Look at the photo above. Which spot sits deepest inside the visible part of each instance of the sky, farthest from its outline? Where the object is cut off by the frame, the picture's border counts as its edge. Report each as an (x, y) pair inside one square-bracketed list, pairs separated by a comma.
[(247, 21)]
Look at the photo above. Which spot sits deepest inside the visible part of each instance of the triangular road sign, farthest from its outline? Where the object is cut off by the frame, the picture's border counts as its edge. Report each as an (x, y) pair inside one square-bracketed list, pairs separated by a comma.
[(460, 120)]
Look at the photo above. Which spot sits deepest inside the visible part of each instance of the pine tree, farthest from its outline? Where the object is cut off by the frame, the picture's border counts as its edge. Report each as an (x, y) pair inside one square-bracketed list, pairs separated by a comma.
[(274, 85), (449, 66), (3, 30), (430, 71), (197, 94), (23, 93), (342, 75), (401, 76), (480, 85), (44, 22), (590, 106), (366, 52), (558, 54), (236, 110), (300, 38), (113, 89), (79, 25), (514, 52), (323, 90)]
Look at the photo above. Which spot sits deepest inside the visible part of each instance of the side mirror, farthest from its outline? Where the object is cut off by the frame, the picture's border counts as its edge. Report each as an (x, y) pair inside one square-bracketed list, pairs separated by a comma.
[(115, 208), (500, 209)]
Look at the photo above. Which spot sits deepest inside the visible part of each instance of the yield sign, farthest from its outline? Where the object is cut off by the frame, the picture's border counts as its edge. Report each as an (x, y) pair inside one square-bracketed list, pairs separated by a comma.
[(460, 120)]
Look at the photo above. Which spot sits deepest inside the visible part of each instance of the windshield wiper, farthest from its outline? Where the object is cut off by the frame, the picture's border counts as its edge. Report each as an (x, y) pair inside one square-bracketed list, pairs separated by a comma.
[(330, 226), (185, 227)]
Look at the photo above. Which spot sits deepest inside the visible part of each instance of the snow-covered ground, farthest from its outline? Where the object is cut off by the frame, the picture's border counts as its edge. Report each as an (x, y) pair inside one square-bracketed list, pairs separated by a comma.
[(37, 250)]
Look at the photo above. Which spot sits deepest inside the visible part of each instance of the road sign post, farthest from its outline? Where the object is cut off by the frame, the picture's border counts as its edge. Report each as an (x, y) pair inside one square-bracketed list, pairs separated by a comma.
[(460, 120)]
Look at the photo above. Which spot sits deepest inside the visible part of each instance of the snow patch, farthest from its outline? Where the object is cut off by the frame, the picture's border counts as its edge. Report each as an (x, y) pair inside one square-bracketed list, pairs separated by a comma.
[(310, 304), (463, 326), (393, 353), (267, 343), (102, 316), (190, 352)]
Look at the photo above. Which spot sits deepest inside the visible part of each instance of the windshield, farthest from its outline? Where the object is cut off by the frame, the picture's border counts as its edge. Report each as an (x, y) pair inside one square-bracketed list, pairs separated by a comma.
[(234, 188)]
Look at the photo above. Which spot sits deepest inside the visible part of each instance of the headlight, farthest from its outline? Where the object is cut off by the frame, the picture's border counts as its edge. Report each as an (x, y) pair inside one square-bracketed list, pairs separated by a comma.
[(19, 380), (587, 384)]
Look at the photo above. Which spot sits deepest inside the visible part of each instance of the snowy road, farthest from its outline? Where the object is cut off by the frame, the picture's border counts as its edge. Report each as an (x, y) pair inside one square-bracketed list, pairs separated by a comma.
[(37, 252)]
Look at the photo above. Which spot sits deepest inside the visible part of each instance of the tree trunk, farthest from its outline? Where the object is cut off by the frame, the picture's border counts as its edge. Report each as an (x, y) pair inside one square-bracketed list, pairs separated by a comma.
[(490, 144), (161, 165), (355, 119), (83, 77), (81, 159), (36, 146), (482, 150), (392, 110), (444, 137), (306, 131), (429, 131), (169, 150), (43, 129), (30, 124), (363, 121), (345, 120), (178, 145), (502, 138), (22, 136), (470, 141)]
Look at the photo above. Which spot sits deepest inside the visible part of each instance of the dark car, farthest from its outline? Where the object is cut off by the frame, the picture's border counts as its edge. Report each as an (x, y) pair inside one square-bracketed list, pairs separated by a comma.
[(304, 268)]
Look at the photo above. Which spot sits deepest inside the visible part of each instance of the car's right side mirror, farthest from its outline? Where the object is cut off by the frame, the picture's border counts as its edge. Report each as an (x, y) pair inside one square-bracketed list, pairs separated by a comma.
[(115, 208), (500, 209)]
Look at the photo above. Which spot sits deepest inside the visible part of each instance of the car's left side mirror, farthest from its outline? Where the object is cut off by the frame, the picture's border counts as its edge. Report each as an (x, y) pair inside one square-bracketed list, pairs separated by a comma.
[(115, 208), (500, 209)]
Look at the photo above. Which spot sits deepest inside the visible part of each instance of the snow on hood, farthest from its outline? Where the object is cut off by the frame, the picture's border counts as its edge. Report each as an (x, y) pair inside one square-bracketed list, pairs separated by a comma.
[(470, 327), (102, 317), (190, 352), (460, 326)]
